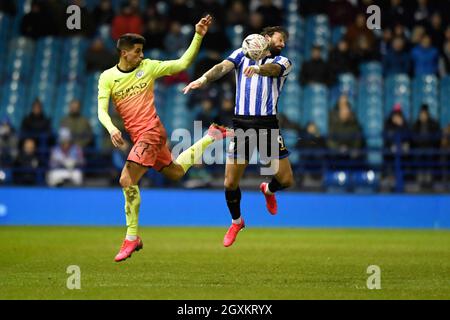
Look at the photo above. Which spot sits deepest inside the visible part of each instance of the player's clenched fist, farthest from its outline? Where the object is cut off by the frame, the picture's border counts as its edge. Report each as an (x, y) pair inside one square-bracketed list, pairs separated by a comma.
[(251, 70)]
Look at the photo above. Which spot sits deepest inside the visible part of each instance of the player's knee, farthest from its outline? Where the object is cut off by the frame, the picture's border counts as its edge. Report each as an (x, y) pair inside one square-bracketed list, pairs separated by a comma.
[(230, 184), (288, 182), (125, 181), (176, 173)]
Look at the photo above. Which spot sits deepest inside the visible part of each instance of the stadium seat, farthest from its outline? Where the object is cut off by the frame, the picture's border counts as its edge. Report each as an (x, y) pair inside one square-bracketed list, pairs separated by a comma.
[(425, 90), (315, 106), (444, 101), (398, 90), (13, 101)]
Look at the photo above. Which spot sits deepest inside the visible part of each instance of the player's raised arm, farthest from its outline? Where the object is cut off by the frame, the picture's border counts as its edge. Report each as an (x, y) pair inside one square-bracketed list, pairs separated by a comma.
[(213, 74), (170, 67)]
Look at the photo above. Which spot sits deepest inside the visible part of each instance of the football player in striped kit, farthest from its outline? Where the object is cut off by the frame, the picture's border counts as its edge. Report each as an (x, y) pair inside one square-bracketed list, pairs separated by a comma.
[(258, 87)]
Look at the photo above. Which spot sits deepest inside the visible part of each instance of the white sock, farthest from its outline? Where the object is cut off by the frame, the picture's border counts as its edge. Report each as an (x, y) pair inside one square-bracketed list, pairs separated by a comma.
[(131, 238), (237, 221), (268, 192)]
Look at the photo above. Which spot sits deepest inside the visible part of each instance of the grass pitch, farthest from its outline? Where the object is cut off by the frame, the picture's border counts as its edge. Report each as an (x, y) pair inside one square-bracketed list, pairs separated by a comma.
[(191, 263)]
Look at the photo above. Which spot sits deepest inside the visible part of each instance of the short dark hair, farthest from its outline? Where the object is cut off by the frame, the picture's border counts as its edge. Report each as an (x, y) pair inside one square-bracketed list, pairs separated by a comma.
[(128, 40), (271, 30)]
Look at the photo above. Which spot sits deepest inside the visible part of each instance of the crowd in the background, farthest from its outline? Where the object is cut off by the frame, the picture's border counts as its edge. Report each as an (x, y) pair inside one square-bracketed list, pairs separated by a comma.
[(415, 40)]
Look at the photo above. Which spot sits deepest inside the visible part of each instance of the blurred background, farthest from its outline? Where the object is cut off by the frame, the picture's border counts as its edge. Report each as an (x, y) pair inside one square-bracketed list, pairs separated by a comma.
[(362, 110)]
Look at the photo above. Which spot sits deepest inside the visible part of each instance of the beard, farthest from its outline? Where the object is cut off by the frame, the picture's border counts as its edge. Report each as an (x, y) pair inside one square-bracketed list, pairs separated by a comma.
[(274, 51)]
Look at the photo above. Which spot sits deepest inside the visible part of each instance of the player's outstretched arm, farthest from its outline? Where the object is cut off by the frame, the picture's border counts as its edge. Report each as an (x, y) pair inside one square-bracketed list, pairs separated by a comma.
[(213, 74), (171, 67)]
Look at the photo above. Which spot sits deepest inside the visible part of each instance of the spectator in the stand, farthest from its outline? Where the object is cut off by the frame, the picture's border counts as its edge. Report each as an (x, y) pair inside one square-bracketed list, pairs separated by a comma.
[(399, 30), (206, 114), (397, 139), (212, 7), (425, 58), (444, 61), (436, 31), (364, 52), (315, 70), (79, 126), (180, 11), (397, 59), (37, 23), (272, 15), (426, 139), (313, 147), (342, 60), (175, 39), (98, 57), (226, 112), (103, 13), (340, 13), (418, 32), (345, 138), (358, 31), (66, 162), (211, 58), (255, 24), (8, 143), (216, 39), (362, 5), (311, 7), (237, 13), (395, 12), (128, 21), (154, 34), (385, 42), (26, 164), (8, 7), (422, 12), (447, 33), (36, 125)]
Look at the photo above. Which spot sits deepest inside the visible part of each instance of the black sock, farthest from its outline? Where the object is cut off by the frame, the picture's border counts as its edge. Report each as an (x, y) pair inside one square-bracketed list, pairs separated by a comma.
[(275, 186), (233, 198)]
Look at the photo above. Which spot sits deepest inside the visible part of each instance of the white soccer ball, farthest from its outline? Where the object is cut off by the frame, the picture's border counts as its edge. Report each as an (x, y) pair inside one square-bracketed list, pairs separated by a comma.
[(255, 46)]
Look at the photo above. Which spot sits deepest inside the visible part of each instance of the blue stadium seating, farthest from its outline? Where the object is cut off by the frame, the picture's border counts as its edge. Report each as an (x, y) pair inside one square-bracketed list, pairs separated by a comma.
[(348, 85), (290, 102), (66, 92), (444, 101), (317, 33), (398, 90), (425, 90), (315, 106), (370, 112)]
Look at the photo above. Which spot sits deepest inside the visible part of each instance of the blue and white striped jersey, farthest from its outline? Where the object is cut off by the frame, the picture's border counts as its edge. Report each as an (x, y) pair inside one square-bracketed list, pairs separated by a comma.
[(258, 95)]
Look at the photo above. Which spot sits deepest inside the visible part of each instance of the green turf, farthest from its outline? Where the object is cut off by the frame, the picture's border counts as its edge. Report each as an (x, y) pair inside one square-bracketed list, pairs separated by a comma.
[(191, 263)]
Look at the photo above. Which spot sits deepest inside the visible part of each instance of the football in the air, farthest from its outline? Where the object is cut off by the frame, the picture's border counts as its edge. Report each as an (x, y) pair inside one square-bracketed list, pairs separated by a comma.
[(255, 46)]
